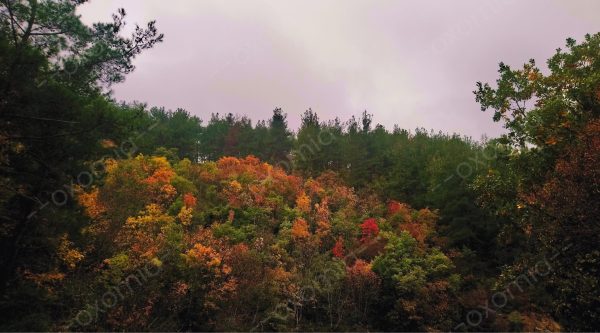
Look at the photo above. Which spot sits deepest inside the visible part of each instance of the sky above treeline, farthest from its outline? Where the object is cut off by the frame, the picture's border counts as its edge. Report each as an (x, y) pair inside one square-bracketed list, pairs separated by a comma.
[(411, 63)]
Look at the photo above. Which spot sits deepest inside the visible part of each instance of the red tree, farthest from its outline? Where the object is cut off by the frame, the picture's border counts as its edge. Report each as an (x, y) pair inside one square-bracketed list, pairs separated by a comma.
[(393, 207), (338, 249), (369, 229)]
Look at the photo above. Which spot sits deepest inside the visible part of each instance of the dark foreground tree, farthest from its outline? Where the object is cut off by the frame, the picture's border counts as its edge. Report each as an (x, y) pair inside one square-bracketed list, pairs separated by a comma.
[(53, 118), (552, 123)]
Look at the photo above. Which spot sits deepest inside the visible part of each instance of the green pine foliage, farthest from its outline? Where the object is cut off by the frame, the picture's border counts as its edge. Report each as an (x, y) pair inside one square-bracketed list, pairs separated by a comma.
[(233, 225)]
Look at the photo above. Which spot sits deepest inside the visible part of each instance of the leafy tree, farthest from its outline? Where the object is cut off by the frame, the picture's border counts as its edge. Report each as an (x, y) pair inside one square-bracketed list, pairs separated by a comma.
[(412, 279), (550, 118), (54, 118)]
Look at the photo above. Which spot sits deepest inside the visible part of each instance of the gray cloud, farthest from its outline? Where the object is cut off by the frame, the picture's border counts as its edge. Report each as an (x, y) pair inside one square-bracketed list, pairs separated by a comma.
[(413, 63)]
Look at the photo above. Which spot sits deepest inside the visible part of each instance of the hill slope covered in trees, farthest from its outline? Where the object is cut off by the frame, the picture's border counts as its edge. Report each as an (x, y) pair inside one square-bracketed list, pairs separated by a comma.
[(117, 216)]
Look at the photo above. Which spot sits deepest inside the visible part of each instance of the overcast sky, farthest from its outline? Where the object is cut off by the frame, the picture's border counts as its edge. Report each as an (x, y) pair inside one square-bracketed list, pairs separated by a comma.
[(411, 63)]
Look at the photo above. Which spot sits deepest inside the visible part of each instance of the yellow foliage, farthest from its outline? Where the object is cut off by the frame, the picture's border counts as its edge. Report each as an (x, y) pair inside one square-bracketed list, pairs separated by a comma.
[(185, 215), (153, 214), (69, 255), (110, 164), (161, 162)]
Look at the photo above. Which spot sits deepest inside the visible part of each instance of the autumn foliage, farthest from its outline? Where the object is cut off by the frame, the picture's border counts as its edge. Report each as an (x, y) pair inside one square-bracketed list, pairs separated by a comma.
[(338, 248), (230, 233), (120, 217), (369, 229)]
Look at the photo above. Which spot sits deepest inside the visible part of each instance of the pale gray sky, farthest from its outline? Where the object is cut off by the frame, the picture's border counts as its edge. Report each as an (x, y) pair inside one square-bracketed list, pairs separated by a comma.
[(412, 63)]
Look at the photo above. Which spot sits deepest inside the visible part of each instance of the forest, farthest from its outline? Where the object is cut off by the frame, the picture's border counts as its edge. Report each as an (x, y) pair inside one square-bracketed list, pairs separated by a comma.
[(117, 216)]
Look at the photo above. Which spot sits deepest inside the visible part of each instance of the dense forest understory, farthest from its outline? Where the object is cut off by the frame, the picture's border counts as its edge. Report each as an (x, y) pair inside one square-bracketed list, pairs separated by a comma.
[(121, 217)]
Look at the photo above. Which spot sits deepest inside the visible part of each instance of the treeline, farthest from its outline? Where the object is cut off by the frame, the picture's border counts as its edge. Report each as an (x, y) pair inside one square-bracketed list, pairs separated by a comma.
[(123, 217), (422, 168)]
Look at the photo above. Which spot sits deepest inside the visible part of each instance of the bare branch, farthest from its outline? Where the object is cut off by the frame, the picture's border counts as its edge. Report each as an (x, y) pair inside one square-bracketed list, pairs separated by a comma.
[(31, 20), (12, 20), (41, 118)]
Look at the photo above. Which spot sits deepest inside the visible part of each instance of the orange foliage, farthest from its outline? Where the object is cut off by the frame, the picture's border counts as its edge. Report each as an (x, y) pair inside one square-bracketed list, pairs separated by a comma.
[(314, 187), (338, 249), (322, 209), (363, 285), (339, 195), (415, 230), (300, 229), (167, 193), (260, 180), (258, 192), (226, 275), (323, 228), (204, 255), (421, 226), (280, 275), (232, 193), (567, 201), (181, 288), (43, 278), (393, 207), (251, 182), (232, 167), (92, 205), (189, 200), (303, 203), (427, 217), (161, 175), (48, 280), (400, 209), (360, 269)]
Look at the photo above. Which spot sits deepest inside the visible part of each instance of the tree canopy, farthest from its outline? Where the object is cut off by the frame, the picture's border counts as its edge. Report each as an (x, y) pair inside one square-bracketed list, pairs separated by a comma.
[(129, 217)]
